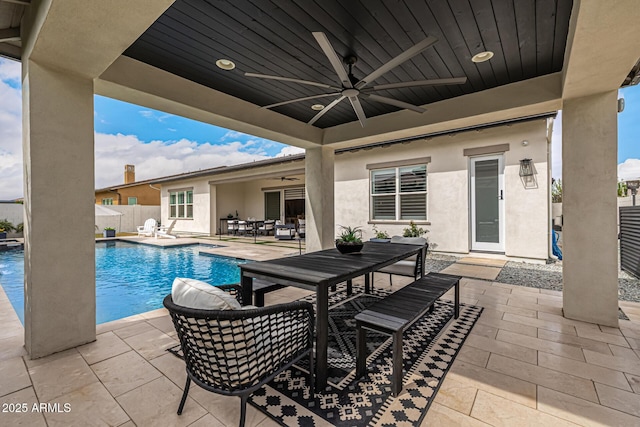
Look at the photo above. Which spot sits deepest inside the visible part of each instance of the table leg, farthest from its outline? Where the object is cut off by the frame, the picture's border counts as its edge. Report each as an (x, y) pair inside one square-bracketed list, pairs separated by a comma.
[(456, 308), (247, 289), (349, 287), (396, 376), (322, 336), (361, 350), (367, 284)]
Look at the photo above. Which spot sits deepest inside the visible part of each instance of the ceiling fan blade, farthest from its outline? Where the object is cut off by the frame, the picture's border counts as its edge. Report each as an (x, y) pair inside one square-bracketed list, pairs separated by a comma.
[(404, 56), (289, 79), (333, 57), (396, 103), (430, 82), (306, 98), (357, 107), (327, 108)]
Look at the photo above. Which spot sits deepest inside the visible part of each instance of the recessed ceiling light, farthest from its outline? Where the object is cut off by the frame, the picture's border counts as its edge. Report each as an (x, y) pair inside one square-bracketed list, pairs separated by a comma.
[(482, 56), (225, 64), (317, 107)]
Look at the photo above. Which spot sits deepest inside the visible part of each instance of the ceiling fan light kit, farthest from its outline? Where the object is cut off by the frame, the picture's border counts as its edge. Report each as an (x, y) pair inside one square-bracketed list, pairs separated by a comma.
[(353, 89)]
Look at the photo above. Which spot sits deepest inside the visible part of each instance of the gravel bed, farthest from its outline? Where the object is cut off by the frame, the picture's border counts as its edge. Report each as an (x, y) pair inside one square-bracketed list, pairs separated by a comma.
[(549, 276), (437, 262)]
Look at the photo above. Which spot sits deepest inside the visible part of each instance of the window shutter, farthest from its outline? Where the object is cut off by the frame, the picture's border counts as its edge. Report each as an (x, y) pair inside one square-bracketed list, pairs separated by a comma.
[(294, 193), (413, 206), (383, 181), (413, 179), (384, 207)]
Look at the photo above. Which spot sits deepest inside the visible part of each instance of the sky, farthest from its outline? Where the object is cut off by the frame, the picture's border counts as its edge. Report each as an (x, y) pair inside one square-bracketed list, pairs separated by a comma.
[(160, 144)]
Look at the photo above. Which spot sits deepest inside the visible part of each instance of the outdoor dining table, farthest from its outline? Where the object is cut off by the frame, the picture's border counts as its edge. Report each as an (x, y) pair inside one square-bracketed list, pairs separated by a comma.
[(318, 271)]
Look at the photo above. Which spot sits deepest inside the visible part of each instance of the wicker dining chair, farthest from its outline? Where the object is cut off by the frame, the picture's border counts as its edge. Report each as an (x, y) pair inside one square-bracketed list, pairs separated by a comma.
[(235, 352)]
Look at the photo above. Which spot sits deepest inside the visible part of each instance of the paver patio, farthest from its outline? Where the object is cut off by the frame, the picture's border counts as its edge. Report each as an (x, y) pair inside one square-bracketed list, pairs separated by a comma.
[(523, 364)]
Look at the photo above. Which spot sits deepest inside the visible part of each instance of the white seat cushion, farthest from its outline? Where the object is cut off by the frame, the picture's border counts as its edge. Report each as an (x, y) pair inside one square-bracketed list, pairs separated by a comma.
[(194, 293)]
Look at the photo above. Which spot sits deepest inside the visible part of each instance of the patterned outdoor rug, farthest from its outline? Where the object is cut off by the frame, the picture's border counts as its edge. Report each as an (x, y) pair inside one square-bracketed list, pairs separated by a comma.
[(347, 401)]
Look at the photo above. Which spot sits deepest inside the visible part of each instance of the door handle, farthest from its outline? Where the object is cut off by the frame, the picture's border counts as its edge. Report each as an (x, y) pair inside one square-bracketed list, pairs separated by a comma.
[(501, 197)]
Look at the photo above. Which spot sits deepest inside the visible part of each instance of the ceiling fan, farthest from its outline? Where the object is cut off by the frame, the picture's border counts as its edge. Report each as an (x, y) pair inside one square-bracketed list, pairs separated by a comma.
[(354, 89), (287, 178)]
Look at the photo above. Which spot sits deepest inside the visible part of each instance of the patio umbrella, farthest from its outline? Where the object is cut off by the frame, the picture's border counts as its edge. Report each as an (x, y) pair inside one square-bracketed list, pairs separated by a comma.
[(102, 211)]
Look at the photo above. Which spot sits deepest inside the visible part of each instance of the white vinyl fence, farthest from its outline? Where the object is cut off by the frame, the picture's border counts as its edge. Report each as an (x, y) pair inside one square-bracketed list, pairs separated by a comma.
[(132, 217)]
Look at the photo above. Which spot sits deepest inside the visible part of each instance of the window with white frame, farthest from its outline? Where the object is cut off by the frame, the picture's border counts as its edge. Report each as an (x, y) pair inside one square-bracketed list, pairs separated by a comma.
[(181, 204), (399, 193), (108, 201)]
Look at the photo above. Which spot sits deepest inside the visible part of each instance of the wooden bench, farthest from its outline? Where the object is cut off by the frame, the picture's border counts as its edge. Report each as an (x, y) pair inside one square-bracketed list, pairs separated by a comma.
[(396, 312), (262, 287)]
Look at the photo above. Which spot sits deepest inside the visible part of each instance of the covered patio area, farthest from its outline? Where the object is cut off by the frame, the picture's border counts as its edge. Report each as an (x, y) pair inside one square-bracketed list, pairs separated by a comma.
[(522, 364), (537, 357)]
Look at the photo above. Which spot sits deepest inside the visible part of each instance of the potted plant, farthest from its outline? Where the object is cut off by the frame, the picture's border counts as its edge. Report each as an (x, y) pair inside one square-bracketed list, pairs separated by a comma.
[(109, 232), (380, 236), (5, 227), (349, 240)]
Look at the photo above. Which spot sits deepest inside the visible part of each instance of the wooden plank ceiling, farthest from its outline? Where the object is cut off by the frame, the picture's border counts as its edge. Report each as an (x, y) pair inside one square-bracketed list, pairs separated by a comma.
[(527, 37)]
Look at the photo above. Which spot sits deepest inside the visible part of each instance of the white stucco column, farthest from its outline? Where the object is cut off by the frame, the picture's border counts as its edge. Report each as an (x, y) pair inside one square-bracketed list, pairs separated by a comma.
[(60, 303), (589, 175), (319, 207)]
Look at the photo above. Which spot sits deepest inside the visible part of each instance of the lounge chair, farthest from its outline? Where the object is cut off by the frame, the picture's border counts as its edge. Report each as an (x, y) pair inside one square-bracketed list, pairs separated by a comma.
[(302, 229), (166, 231), (285, 231), (267, 227), (148, 229), (236, 351)]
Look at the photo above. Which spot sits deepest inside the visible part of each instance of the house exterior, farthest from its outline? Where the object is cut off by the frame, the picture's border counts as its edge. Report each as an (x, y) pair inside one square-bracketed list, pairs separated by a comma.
[(129, 193), (464, 187)]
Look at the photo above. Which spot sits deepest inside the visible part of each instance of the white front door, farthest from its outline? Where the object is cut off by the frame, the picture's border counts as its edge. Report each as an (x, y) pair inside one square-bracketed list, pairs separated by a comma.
[(487, 203)]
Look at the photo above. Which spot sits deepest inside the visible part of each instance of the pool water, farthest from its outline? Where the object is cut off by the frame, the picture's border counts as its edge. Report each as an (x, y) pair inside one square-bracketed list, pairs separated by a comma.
[(130, 278)]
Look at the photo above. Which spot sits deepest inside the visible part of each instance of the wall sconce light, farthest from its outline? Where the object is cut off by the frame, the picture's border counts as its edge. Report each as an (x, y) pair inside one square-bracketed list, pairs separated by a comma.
[(527, 168), (633, 186)]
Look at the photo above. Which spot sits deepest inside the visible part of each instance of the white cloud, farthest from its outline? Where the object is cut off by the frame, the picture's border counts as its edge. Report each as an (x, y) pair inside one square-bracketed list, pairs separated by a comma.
[(161, 158), (289, 150), (153, 115), (10, 71), (629, 169), (10, 131)]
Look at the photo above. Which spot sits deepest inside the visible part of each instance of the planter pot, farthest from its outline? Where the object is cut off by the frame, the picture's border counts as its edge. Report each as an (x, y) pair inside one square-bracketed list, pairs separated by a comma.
[(109, 233), (374, 239), (348, 248), (3, 235)]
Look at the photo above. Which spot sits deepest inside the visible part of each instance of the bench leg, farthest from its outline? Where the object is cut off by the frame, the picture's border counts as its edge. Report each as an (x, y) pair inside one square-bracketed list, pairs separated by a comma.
[(258, 299), (361, 351), (334, 288), (396, 378), (456, 308)]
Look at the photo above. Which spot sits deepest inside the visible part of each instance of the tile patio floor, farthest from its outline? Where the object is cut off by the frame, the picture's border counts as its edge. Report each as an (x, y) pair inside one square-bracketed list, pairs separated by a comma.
[(523, 364)]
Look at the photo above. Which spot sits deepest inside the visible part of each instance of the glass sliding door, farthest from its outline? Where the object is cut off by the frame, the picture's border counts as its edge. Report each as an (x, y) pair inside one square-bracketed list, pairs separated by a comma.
[(487, 203)]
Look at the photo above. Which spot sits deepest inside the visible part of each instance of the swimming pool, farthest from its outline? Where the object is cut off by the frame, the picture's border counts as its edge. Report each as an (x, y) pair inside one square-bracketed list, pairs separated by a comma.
[(130, 278)]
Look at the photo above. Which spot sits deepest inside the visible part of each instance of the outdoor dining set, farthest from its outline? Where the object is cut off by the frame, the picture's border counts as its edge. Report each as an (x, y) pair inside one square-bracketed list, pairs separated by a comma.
[(254, 227), (233, 348)]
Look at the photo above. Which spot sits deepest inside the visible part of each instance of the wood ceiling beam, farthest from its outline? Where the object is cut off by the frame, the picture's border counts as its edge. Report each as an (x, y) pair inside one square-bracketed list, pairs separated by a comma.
[(10, 51), (9, 34), (20, 2)]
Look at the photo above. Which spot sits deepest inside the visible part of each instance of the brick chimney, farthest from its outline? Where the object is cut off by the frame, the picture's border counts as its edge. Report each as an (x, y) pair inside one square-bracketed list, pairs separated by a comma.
[(129, 174)]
